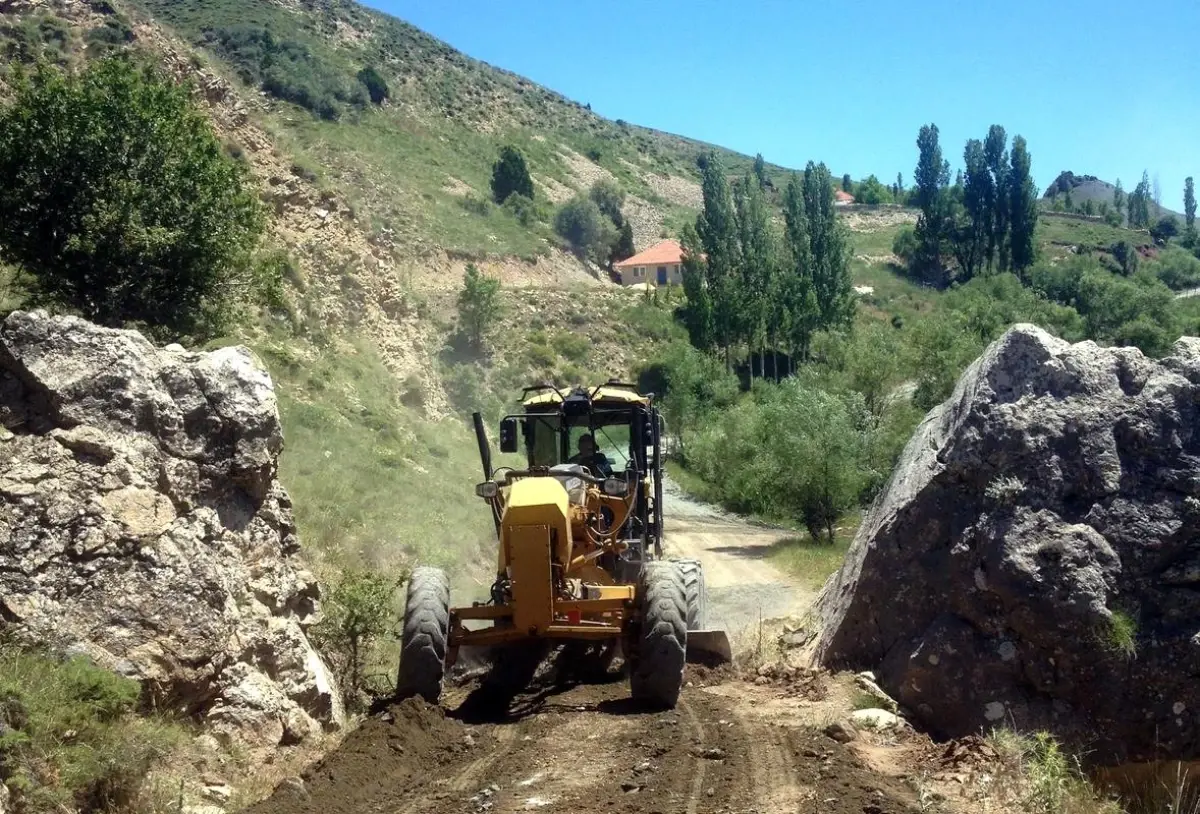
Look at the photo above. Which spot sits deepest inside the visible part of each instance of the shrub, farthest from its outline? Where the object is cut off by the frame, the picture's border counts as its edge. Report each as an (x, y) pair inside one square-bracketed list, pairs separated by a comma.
[(476, 205), (375, 84), (522, 208), (572, 347), (1178, 269), (580, 222), (357, 612), (1112, 217), (906, 246), (610, 198), (478, 306), (116, 195), (510, 176)]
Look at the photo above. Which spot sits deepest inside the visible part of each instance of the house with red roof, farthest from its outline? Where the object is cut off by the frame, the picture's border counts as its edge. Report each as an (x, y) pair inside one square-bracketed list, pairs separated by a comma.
[(661, 264), (841, 197)]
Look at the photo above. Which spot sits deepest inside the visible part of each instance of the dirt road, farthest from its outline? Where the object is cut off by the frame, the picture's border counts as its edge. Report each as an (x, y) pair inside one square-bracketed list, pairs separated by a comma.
[(737, 743), (743, 586)]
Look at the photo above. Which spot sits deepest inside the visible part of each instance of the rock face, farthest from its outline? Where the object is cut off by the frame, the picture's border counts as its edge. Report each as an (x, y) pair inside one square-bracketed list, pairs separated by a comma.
[(141, 524), (1035, 559)]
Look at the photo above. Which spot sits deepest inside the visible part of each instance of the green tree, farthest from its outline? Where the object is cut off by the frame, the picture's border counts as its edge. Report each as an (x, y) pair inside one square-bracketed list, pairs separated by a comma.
[(760, 170), (847, 184), (510, 175), (1139, 204), (1022, 208), (830, 251), (759, 267), (357, 613), (581, 223), (1189, 203), (1119, 198), (375, 84), (995, 153), (797, 314), (623, 249), (698, 313), (610, 198), (1068, 202), (478, 306), (973, 228), (716, 227), (931, 179), (898, 189), (872, 191), (116, 196)]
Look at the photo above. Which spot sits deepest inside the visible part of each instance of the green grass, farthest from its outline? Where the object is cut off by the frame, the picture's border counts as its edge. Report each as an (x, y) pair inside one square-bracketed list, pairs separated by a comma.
[(812, 561), (1052, 231), (1040, 778), (375, 484), (71, 739), (1121, 634)]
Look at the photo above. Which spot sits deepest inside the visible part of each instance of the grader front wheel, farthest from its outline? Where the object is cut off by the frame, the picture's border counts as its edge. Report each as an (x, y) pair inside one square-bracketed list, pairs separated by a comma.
[(426, 630), (657, 676)]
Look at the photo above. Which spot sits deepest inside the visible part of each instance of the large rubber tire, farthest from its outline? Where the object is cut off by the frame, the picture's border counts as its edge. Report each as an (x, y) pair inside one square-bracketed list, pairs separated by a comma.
[(657, 675), (696, 593), (426, 630)]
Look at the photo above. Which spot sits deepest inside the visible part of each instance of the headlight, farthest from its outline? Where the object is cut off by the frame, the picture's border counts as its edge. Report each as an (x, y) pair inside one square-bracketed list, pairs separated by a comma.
[(487, 490), (615, 487)]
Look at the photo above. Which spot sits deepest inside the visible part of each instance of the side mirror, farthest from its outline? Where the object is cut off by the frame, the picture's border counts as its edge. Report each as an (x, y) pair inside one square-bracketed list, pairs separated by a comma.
[(508, 434)]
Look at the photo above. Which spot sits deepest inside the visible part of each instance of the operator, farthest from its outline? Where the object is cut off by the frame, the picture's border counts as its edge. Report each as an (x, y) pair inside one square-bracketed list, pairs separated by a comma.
[(592, 458)]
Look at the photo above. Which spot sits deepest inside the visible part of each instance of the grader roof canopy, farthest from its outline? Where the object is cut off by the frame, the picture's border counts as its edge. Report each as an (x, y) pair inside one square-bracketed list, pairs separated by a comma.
[(611, 393)]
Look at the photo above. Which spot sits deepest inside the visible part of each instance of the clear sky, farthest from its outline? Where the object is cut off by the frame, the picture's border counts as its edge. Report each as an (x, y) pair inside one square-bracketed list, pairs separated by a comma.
[(1102, 88)]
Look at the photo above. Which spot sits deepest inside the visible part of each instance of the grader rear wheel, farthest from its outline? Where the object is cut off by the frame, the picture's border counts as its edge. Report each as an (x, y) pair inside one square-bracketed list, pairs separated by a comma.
[(696, 593), (426, 630), (657, 675)]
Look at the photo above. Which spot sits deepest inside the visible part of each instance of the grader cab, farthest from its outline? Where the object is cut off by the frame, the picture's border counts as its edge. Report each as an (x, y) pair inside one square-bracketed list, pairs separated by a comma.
[(579, 532)]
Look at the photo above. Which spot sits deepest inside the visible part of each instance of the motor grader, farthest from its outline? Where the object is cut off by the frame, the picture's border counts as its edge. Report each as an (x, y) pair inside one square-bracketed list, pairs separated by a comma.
[(580, 558)]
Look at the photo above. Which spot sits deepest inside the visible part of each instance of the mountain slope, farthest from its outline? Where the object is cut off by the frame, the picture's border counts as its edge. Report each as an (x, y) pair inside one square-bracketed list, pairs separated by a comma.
[(419, 163), (1090, 188)]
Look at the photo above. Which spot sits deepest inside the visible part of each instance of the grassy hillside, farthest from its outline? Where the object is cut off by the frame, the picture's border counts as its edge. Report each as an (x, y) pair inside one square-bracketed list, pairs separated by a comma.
[(1090, 188)]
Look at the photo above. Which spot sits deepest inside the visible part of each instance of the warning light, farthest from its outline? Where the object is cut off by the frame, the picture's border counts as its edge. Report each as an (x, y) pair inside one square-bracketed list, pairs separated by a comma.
[(573, 617)]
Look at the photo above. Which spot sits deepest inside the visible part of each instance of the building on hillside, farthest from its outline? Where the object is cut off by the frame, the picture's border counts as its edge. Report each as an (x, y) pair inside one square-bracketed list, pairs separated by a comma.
[(661, 264), (841, 197)]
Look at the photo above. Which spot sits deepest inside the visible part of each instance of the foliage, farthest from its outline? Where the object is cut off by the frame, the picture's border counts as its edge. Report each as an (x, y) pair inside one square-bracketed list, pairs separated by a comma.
[(117, 197), (478, 306), (1139, 204), (1189, 203), (1178, 268), (790, 451), (1165, 229), (906, 245), (580, 222), (691, 386), (288, 69), (623, 249), (609, 198), (375, 84), (357, 612), (522, 208), (69, 735), (872, 191), (510, 175)]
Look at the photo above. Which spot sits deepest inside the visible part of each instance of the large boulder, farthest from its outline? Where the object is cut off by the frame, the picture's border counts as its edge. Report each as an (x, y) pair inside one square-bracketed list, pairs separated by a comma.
[(142, 525), (1035, 559)]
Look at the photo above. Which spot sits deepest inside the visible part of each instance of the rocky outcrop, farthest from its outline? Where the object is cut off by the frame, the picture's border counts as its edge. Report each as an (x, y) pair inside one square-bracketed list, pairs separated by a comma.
[(141, 524), (1035, 559)]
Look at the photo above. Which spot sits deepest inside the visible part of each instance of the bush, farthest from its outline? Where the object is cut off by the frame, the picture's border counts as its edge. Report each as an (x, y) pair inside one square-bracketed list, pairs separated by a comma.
[(573, 347), (1178, 269), (691, 386), (580, 222), (116, 195), (1112, 217), (357, 612), (478, 306), (791, 452), (510, 176), (906, 246), (375, 84), (522, 208), (69, 738)]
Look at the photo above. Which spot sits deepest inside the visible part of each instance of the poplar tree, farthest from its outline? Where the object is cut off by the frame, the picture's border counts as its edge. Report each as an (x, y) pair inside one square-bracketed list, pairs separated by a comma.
[(1022, 208)]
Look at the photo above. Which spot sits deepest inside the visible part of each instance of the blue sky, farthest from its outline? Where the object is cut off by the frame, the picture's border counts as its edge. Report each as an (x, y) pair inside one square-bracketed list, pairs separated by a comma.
[(1103, 88)]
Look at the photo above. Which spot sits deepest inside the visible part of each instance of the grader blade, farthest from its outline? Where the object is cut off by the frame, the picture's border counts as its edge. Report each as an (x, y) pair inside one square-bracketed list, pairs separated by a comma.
[(709, 647)]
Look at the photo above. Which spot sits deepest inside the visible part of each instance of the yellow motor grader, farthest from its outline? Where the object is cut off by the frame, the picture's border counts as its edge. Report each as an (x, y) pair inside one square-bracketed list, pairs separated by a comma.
[(580, 550)]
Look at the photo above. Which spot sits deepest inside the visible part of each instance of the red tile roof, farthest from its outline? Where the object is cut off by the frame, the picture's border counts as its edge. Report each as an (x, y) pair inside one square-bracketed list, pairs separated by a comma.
[(665, 253), (842, 195)]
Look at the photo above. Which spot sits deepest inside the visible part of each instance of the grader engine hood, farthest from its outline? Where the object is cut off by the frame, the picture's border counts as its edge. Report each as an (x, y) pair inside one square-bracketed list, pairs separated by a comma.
[(535, 533)]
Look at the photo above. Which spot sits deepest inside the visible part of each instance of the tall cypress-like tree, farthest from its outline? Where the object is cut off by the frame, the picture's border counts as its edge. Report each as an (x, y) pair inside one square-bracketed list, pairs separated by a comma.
[(995, 153), (973, 229), (698, 314), (760, 170), (798, 315), (1022, 208), (1189, 203), (759, 257), (931, 177), (717, 229), (830, 250), (1119, 198)]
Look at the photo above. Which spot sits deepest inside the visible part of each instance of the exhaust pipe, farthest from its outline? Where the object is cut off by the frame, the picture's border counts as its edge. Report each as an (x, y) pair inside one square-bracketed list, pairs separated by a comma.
[(485, 458)]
